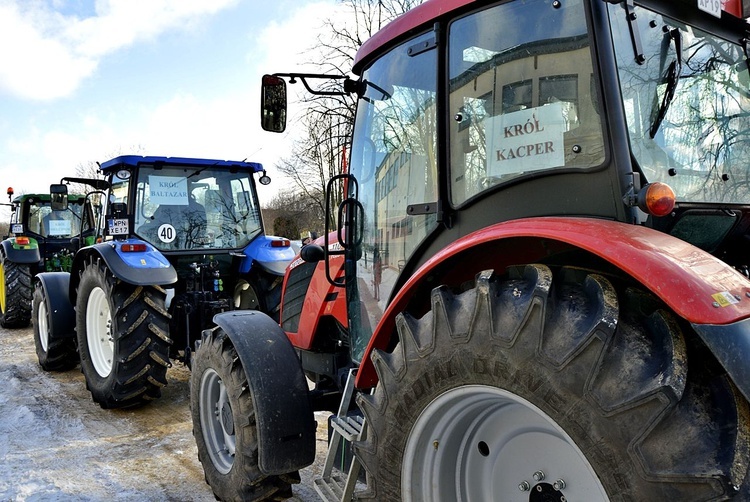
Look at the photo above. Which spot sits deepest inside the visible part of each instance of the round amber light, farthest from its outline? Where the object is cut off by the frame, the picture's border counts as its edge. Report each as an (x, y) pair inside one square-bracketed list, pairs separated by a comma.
[(657, 199)]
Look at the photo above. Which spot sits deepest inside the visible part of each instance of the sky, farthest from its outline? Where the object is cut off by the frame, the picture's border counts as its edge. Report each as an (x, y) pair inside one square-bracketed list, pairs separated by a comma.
[(82, 81)]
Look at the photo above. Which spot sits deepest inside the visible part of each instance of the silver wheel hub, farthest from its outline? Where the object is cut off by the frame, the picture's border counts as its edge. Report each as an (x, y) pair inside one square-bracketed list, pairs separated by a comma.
[(217, 421), (483, 443), (42, 326), (99, 332)]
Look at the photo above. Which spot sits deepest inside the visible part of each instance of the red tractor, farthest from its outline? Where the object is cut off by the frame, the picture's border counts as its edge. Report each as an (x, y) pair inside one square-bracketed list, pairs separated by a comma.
[(539, 278)]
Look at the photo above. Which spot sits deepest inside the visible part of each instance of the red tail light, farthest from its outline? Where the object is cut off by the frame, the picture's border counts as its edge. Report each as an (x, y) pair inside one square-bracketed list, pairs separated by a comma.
[(281, 243), (133, 248), (22, 241)]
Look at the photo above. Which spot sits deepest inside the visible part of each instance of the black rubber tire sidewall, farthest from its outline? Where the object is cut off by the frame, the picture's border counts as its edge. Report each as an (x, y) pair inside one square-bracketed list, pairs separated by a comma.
[(17, 289), (244, 481), (61, 354), (621, 424), (140, 335)]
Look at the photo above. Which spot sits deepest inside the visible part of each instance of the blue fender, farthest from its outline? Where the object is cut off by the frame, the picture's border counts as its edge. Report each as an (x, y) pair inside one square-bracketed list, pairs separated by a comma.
[(22, 254), (283, 413), (62, 319), (273, 259), (142, 268)]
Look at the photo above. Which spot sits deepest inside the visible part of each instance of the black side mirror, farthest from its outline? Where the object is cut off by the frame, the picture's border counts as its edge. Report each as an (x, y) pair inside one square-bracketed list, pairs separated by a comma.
[(312, 253), (273, 104), (58, 197)]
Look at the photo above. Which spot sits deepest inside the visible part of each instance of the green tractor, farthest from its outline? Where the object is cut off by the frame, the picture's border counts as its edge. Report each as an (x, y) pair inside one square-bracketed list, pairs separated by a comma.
[(43, 238)]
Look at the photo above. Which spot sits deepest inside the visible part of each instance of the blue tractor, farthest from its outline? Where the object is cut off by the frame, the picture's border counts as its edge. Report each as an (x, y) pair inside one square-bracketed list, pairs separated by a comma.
[(178, 241)]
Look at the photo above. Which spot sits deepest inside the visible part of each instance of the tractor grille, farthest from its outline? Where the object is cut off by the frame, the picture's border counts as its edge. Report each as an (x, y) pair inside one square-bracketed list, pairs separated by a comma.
[(294, 295)]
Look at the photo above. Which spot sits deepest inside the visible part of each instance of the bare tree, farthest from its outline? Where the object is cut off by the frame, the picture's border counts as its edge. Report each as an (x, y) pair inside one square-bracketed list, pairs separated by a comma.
[(329, 120), (290, 213)]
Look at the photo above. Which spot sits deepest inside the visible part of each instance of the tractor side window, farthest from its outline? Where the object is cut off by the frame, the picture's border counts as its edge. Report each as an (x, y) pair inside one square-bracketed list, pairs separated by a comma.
[(521, 95), (394, 159)]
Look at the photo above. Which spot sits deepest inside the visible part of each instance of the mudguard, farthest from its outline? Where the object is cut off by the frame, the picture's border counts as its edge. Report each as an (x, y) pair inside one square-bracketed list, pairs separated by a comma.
[(146, 268), (731, 346), (62, 320), (284, 416), (21, 254), (697, 286), (272, 259)]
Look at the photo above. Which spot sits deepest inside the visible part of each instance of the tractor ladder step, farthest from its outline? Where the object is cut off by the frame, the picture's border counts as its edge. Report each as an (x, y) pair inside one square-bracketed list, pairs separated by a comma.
[(349, 427), (339, 486)]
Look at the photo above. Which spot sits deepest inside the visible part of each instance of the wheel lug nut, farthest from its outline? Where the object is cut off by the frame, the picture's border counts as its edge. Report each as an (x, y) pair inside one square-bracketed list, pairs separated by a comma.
[(524, 487), (539, 476), (559, 484)]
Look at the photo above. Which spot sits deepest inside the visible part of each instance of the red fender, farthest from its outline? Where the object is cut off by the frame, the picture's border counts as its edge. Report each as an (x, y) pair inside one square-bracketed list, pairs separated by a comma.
[(321, 299), (697, 286)]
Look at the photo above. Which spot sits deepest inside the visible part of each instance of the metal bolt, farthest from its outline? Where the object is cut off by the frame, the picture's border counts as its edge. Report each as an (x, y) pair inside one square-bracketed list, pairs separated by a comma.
[(556, 4), (524, 487), (538, 476), (435, 444), (577, 149), (716, 305), (559, 484)]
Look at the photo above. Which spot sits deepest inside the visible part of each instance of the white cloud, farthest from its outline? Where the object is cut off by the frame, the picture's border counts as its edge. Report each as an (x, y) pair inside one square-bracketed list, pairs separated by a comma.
[(46, 54), (224, 126)]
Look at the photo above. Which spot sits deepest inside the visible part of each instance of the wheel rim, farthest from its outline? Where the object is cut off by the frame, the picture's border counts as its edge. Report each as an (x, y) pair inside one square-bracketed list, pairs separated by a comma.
[(42, 327), (484, 443), (2, 288), (217, 421), (99, 332)]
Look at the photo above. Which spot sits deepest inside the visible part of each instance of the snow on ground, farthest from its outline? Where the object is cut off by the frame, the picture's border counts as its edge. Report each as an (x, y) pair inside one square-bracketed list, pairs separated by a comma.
[(56, 444)]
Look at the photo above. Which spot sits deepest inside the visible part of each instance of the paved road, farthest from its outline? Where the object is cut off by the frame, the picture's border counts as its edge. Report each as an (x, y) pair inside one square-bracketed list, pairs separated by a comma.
[(57, 445)]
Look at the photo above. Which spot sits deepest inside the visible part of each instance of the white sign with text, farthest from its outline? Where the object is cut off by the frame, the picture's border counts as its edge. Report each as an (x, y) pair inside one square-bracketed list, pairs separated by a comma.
[(526, 140)]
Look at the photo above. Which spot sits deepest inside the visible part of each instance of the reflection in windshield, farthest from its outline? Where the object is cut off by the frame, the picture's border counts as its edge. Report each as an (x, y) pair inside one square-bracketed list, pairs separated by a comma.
[(181, 208), (700, 143), (394, 160), (521, 95)]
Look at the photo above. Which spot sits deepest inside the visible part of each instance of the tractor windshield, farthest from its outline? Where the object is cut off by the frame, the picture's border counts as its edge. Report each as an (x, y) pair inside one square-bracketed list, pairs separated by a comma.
[(687, 106), (191, 208), (42, 220)]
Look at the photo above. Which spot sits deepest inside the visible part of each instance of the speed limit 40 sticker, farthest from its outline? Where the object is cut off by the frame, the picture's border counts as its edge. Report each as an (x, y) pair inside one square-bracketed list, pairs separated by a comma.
[(167, 233)]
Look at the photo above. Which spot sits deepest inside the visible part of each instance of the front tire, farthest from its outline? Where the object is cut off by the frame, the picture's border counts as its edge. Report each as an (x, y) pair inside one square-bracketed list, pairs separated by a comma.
[(123, 338), (54, 354), (15, 294), (550, 386), (224, 425)]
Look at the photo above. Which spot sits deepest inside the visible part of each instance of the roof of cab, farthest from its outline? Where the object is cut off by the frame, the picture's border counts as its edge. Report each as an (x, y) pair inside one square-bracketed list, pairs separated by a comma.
[(420, 16), (137, 160)]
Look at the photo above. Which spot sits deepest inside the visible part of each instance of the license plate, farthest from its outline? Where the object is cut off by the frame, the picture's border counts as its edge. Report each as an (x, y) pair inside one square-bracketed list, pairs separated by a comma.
[(118, 227), (713, 7)]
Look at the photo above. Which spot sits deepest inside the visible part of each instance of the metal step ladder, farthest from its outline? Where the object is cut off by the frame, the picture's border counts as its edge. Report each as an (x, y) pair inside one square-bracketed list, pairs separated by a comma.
[(339, 486)]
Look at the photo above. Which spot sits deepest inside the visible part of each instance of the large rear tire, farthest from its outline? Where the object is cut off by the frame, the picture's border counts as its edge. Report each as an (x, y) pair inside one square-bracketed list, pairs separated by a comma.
[(224, 425), (54, 354), (542, 387), (123, 338), (15, 294)]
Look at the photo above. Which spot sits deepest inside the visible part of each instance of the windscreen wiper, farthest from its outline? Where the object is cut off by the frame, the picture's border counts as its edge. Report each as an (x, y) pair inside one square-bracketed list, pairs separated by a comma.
[(635, 36), (672, 77)]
